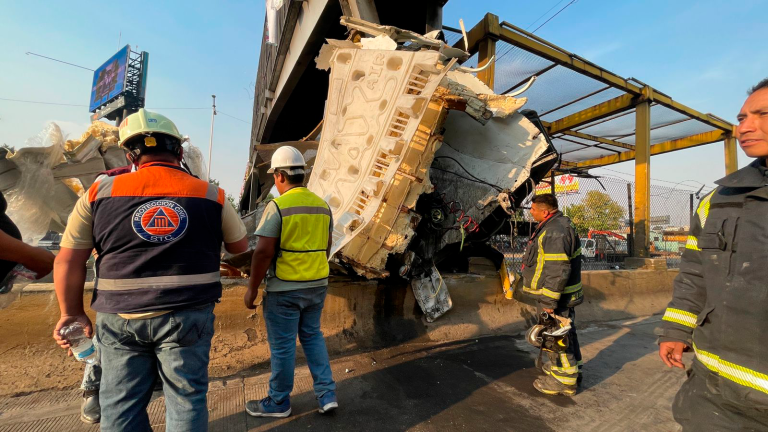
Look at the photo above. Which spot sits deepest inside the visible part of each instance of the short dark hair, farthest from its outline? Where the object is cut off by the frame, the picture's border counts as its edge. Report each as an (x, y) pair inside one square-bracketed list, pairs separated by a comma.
[(759, 86), (293, 178), (547, 200)]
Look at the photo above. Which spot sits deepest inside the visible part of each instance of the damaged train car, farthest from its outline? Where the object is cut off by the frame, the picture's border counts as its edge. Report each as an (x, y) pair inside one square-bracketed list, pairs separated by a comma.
[(420, 162)]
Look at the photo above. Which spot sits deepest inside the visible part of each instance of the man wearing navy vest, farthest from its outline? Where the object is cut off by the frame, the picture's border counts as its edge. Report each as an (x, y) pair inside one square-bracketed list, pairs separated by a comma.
[(295, 235), (158, 234)]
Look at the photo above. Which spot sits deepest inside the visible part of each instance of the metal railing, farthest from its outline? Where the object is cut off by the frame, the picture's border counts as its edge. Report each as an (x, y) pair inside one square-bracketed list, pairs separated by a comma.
[(601, 211)]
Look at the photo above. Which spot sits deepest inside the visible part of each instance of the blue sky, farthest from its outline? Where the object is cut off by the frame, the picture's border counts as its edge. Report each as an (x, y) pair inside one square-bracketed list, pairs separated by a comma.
[(704, 54)]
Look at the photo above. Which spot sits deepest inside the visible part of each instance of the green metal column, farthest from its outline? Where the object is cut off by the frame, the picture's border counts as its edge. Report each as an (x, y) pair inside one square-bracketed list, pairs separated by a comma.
[(731, 161), (641, 243)]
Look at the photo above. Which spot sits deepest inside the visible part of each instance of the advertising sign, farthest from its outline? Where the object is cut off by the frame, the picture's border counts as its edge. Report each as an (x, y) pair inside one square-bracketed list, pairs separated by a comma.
[(109, 79), (564, 185)]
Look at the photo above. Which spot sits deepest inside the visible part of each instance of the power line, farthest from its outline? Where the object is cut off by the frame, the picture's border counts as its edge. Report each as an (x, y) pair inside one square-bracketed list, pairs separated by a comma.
[(80, 105), (544, 14), (41, 103), (556, 14), (230, 116), (60, 61), (511, 48)]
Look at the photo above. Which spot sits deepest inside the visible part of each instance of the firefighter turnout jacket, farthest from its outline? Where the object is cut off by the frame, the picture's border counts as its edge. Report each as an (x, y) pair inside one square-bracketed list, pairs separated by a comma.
[(157, 232), (720, 301), (552, 264)]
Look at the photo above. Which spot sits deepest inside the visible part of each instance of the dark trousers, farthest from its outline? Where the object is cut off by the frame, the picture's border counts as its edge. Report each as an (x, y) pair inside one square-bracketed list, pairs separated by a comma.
[(699, 406)]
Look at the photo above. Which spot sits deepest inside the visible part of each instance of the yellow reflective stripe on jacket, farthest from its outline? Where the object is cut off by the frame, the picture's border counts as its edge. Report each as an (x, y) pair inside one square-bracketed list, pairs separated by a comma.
[(539, 261), (305, 219), (703, 210), (692, 243), (551, 294), (732, 371), (572, 289), (555, 295), (531, 291), (556, 257), (680, 316)]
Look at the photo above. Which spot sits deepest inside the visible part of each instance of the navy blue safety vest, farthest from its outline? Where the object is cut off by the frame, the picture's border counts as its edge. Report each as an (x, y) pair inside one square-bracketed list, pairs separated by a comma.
[(158, 235)]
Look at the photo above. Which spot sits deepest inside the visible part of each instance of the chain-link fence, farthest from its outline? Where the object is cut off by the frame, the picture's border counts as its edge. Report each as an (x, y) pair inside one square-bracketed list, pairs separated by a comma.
[(602, 211)]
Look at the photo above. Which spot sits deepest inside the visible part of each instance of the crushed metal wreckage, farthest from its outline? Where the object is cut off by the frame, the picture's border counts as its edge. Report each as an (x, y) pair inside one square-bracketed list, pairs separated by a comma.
[(420, 162)]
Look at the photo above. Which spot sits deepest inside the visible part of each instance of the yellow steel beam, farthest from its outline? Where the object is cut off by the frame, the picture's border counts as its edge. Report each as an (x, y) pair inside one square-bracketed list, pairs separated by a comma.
[(486, 50), (667, 101), (642, 217), (535, 45), (731, 161), (597, 112), (665, 147), (566, 59), (598, 139)]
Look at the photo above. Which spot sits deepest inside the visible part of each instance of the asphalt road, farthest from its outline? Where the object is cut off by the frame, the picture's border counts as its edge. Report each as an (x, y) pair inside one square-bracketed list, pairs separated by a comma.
[(478, 384)]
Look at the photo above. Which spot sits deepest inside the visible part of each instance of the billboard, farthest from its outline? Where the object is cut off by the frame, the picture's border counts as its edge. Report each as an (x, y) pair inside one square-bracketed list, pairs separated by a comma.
[(109, 79), (564, 185)]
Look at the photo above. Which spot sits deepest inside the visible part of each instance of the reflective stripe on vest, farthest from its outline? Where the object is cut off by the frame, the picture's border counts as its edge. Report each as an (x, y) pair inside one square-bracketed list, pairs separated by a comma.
[(156, 282), (306, 220)]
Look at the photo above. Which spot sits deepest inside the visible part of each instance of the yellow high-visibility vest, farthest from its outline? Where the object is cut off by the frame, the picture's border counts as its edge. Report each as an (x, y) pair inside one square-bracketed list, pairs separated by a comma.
[(306, 220)]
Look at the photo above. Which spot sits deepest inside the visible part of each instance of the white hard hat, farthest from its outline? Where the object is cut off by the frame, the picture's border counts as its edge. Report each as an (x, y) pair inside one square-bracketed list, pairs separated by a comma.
[(289, 160)]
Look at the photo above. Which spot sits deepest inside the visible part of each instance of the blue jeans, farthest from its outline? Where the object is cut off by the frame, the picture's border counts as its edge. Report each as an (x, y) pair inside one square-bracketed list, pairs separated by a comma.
[(286, 314), (174, 346)]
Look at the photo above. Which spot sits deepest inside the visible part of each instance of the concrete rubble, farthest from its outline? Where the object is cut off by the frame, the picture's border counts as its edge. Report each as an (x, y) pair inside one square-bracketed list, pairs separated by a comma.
[(417, 157)]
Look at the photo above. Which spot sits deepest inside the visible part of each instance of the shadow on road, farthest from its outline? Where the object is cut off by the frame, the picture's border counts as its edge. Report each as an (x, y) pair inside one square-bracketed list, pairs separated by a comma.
[(627, 348), (459, 385)]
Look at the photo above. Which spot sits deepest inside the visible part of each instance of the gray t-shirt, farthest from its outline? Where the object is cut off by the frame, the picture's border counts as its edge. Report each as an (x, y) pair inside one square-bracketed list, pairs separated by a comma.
[(271, 225)]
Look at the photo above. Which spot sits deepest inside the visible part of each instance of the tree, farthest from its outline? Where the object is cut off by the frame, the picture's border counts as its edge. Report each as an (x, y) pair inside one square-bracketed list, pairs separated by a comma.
[(597, 211), (230, 198)]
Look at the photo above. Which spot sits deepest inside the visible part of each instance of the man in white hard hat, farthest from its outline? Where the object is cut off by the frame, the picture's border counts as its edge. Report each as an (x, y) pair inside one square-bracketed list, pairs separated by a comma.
[(295, 235), (158, 234)]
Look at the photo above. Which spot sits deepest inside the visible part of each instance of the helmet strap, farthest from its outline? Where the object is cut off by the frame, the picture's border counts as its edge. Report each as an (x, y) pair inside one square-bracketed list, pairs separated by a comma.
[(133, 156)]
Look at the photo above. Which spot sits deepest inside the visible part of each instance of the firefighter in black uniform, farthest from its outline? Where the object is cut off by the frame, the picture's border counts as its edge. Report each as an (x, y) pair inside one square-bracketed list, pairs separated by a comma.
[(552, 274), (720, 301)]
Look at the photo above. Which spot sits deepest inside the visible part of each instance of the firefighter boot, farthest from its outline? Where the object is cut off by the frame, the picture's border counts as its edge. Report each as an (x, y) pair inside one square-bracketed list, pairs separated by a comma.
[(551, 386), (546, 368)]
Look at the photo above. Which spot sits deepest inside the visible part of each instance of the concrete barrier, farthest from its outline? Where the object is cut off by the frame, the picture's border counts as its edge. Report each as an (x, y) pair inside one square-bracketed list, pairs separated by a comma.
[(358, 315)]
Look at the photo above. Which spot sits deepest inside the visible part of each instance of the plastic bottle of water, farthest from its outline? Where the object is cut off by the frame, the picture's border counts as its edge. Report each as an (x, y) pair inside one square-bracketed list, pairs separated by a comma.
[(82, 346), (19, 277)]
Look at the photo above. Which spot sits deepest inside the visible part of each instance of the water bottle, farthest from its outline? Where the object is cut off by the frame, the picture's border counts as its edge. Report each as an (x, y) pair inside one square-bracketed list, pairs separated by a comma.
[(82, 347), (19, 277)]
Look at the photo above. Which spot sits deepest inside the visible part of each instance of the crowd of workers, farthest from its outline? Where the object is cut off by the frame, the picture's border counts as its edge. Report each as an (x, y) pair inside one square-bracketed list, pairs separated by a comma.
[(157, 231)]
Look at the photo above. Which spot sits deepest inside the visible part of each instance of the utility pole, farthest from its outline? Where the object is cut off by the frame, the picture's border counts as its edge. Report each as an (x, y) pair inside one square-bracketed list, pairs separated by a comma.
[(210, 143)]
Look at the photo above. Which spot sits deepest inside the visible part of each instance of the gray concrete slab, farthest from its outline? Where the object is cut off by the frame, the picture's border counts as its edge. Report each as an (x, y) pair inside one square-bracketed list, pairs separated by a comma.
[(477, 384)]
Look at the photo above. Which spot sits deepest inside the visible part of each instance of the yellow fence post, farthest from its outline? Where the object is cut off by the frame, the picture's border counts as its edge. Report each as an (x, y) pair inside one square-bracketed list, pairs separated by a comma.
[(641, 242), (731, 161), (486, 49)]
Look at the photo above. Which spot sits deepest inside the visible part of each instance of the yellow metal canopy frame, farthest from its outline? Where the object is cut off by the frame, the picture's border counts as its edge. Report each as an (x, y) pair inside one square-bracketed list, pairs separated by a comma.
[(594, 117)]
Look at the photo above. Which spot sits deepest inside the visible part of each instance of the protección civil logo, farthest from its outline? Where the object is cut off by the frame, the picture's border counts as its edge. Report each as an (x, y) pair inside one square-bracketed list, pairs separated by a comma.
[(160, 221)]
